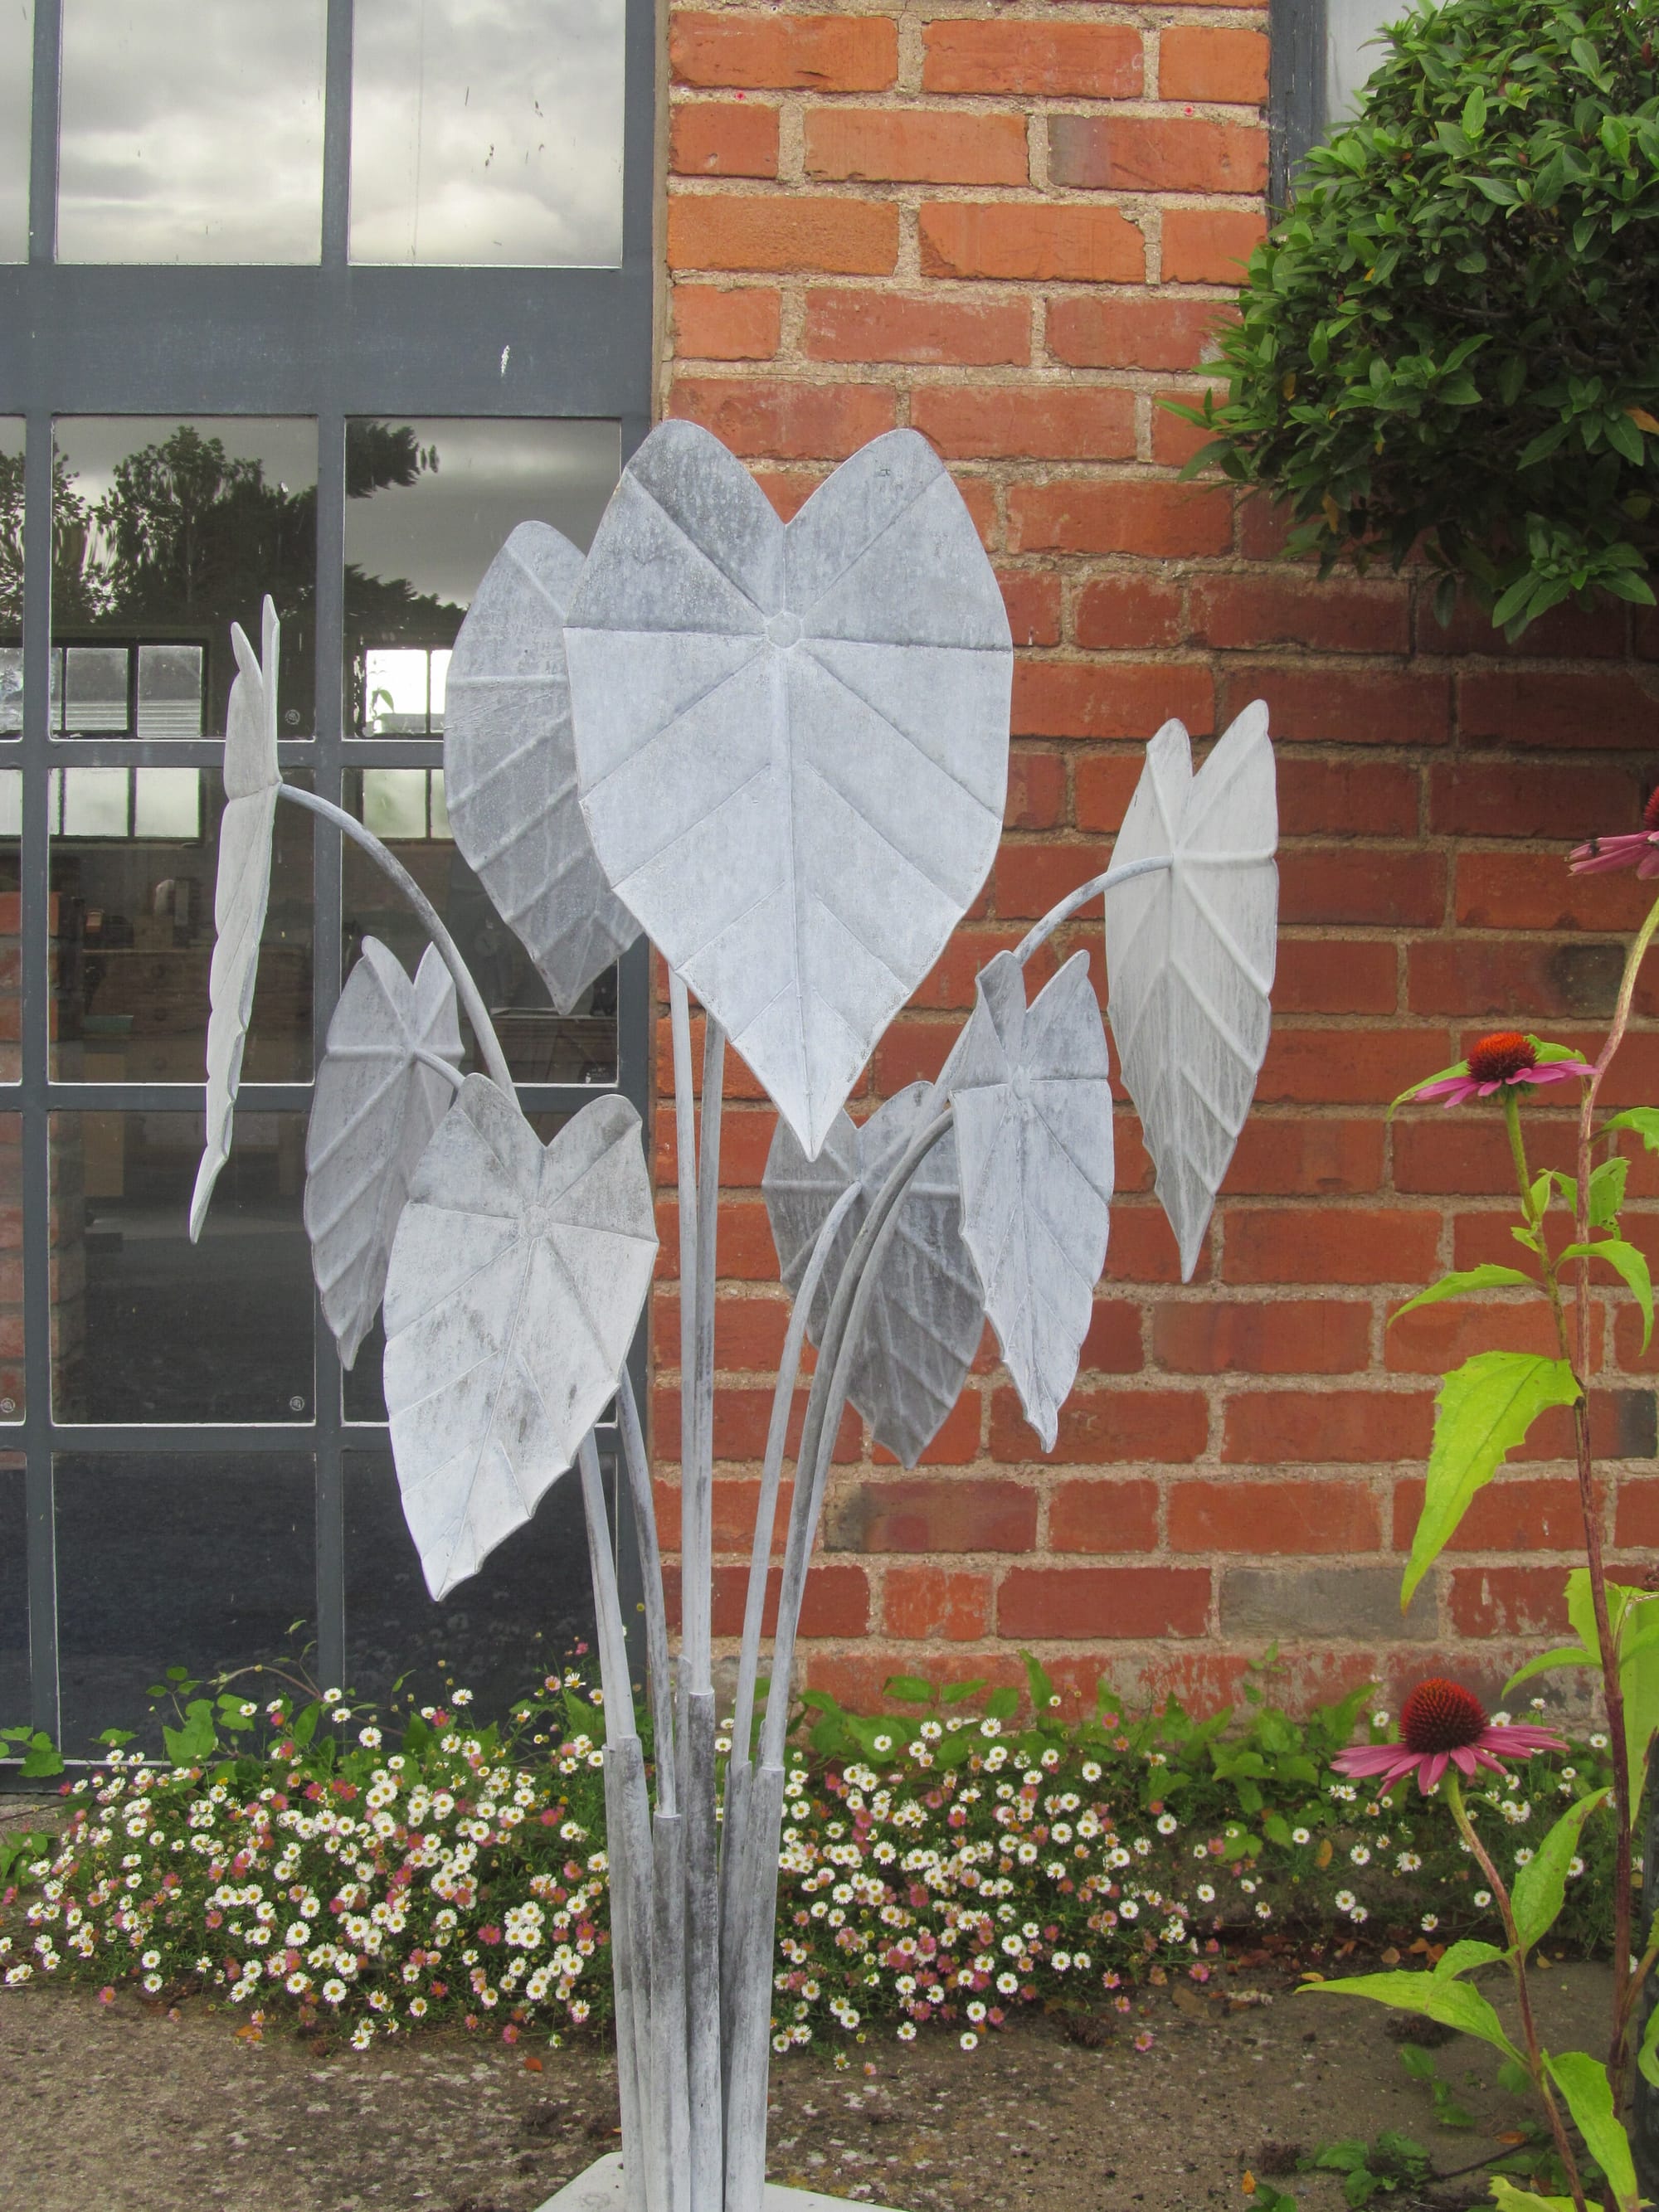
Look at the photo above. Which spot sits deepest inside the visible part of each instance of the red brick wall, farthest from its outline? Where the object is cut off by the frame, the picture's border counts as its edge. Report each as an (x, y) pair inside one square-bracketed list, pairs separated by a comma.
[(1010, 227)]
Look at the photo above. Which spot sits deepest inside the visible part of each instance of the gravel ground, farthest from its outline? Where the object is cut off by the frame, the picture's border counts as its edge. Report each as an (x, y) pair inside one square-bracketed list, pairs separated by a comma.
[(137, 2109)]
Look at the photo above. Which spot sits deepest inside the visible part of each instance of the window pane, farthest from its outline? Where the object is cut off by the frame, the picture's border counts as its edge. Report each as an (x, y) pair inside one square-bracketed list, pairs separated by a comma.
[(169, 1330), (134, 856), (11, 542), (431, 503), (11, 1268), (166, 533), (487, 131), (1353, 51), (191, 131), (16, 83), (13, 1597), (208, 1564), (11, 828), (498, 1634)]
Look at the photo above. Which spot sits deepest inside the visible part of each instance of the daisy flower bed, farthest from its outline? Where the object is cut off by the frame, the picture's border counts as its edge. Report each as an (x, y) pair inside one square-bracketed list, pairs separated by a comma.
[(940, 1873)]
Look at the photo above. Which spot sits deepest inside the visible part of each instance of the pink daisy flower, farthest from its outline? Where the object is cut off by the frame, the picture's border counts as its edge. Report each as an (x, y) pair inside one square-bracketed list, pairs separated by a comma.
[(1442, 1724), (1635, 849), (1504, 1058)]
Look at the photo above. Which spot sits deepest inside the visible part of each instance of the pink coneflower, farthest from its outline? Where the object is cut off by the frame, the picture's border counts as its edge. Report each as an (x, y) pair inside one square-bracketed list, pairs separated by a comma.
[(1442, 1724), (1634, 848), (1504, 1058)]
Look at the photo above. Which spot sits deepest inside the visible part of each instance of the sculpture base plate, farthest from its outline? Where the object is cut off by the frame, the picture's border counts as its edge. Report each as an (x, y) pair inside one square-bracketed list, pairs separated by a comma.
[(600, 2189)]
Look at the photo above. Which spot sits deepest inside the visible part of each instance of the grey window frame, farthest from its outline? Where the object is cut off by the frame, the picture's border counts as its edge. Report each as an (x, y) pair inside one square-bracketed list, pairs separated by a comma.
[(1296, 89), (325, 342)]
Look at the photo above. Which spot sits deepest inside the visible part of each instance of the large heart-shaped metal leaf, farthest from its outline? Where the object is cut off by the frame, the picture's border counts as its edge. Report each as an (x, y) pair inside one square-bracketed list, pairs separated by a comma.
[(792, 743), (380, 1093), (1034, 1136), (926, 1315), (517, 1278), (1189, 952), (241, 891), (510, 767)]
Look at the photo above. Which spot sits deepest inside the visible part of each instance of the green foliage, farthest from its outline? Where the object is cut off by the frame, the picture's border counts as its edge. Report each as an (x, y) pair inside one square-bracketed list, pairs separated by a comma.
[(1420, 2064), (1390, 2161), (1484, 1410), (1463, 1282), (1434, 1995), (1540, 1887), (1447, 340), (1582, 2080), (1633, 1618), (39, 1758)]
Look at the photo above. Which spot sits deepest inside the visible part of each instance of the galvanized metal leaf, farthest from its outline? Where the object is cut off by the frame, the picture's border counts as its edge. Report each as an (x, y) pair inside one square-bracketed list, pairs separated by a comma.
[(926, 1313), (380, 1093), (241, 891), (510, 767), (1034, 1133), (517, 1278), (792, 743), (1191, 952)]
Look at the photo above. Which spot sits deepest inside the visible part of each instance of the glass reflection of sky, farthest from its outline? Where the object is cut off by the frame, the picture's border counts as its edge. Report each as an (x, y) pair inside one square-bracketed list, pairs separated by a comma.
[(16, 54), (190, 133), (487, 131)]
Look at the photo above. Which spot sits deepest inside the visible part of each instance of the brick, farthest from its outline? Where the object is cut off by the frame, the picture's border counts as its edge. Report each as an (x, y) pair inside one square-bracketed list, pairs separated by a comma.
[(1306, 1156), (1444, 1154), (956, 1442), (1142, 1248), (1030, 875), (1381, 707), (1102, 1427), (1026, 422), (1588, 710), (1283, 1336), (1236, 1516), (1112, 1344), (1156, 154), (835, 1601), (1105, 1602), (1123, 612), (1133, 330), (1350, 797), (1466, 977), (741, 1417), (1120, 514), (712, 323), (1209, 245), (870, 326), (1327, 1604), (927, 1604), (762, 51), (1336, 616), (1636, 1522), (1349, 1067), (1107, 699), (1331, 1245), (1387, 890), (722, 138), (1091, 61), (1213, 64), (784, 419), (977, 1513), (1507, 1600), (1031, 598), (1036, 781), (1265, 1427), (918, 145), (1175, 440), (840, 236), (1520, 798), (1508, 1515), (1105, 1515), (1033, 242), (1524, 890), (748, 1332), (1564, 633), (1336, 975), (1105, 785)]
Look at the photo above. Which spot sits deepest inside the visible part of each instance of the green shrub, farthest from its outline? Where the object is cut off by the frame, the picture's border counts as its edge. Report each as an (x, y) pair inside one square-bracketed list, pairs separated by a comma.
[(1451, 340)]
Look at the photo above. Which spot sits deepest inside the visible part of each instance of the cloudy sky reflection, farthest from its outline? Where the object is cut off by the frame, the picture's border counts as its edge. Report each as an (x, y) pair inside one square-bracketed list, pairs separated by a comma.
[(16, 50)]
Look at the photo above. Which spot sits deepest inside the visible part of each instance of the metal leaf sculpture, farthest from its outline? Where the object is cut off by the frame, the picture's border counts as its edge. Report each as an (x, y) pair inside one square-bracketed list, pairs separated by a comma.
[(927, 1314), (1033, 1130), (380, 1093), (791, 743), (510, 768), (518, 1273), (1189, 952), (241, 891)]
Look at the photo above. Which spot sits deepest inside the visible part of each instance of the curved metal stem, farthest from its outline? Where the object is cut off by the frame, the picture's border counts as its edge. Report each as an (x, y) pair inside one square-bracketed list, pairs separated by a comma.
[(607, 1604), (825, 1407), (482, 1028), (697, 1540), (658, 1679), (1096, 887), (783, 1399)]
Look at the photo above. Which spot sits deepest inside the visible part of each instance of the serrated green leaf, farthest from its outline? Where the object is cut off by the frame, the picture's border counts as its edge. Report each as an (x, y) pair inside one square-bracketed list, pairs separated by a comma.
[(1002, 1705), (1626, 1260), (1455, 2005), (1540, 1886), (908, 1689), (1582, 2080), (1642, 1120), (1462, 1282), (1484, 1410), (1565, 1655)]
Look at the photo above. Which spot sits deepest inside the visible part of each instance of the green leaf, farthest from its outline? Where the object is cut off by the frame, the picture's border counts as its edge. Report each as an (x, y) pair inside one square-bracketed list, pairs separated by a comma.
[(1540, 1886), (196, 1740), (1500, 193), (1484, 1410), (1002, 1705), (1457, 1067), (1506, 2197), (1626, 1260), (1644, 1120), (954, 1692), (1037, 1682), (908, 1689), (1461, 1958), (41, 1758), (1453, 2003), (1647, 2058), (1463, 1282), (1565, 1655), (1475, 113), (1607, 1192), (1582, 2080)]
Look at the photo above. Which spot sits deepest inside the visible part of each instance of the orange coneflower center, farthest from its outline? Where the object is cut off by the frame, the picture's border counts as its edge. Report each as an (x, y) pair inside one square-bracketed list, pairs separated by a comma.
[(1441, 1716), (1500, 1057)]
